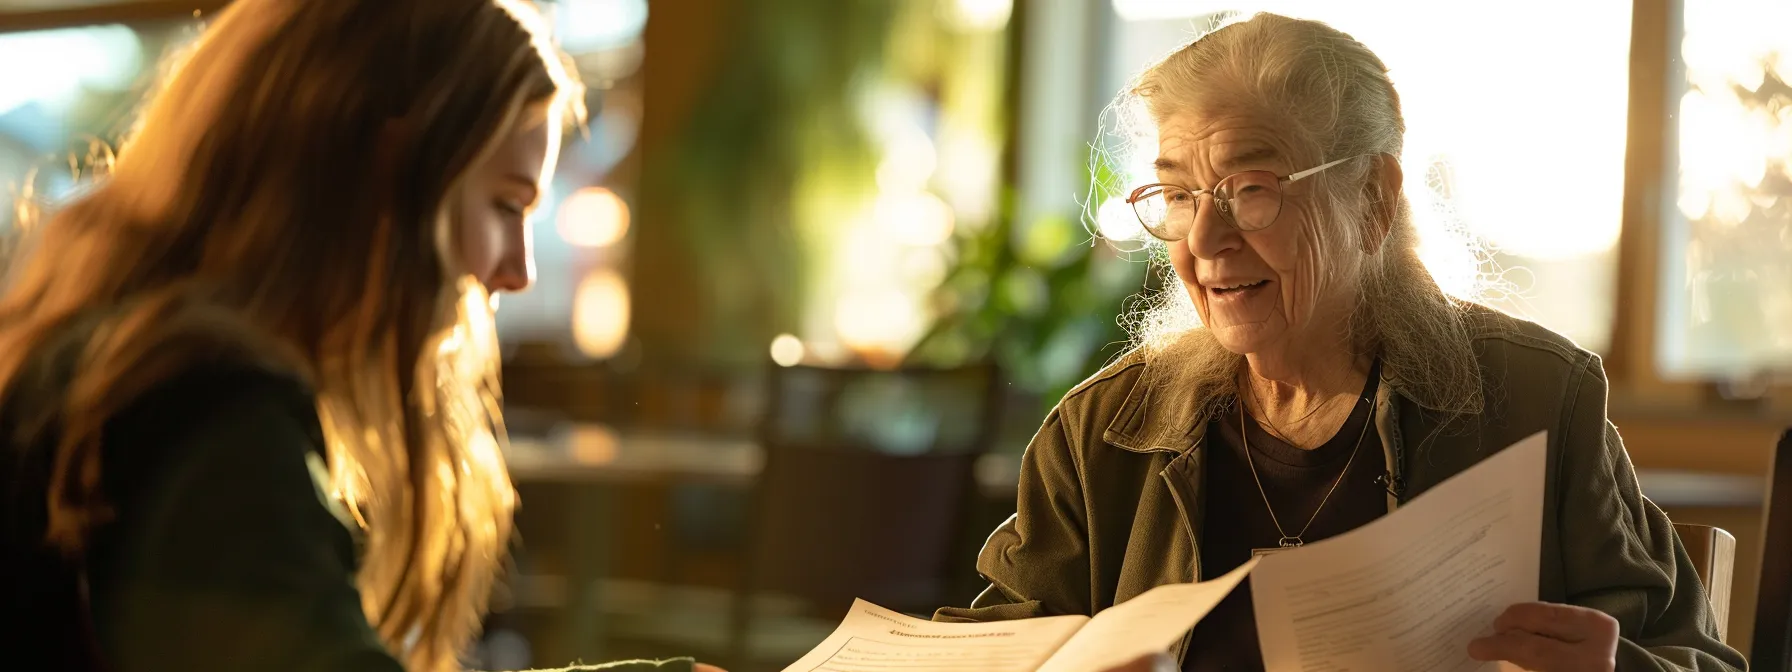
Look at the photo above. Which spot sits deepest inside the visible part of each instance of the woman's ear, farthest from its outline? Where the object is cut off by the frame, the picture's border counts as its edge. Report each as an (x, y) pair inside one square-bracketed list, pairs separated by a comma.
[(1385, 185)]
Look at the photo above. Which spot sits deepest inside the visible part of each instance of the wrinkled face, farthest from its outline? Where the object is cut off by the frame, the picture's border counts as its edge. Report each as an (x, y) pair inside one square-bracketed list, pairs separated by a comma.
[(492, 210), (1259, 292)]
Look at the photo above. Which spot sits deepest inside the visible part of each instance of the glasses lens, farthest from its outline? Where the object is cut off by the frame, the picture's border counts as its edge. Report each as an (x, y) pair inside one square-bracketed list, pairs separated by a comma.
[(1255, 197), (1166, 211)]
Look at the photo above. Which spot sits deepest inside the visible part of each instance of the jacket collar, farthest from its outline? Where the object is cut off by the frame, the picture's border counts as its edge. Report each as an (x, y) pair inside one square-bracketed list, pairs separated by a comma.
[(1143, 427)]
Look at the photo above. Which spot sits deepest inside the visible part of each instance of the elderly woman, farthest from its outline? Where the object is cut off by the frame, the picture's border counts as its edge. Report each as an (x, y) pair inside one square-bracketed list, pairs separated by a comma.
[(1331, 381)]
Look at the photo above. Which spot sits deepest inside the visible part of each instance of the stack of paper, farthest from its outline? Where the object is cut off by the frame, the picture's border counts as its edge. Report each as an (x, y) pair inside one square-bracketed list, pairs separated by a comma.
[(1404, 593)]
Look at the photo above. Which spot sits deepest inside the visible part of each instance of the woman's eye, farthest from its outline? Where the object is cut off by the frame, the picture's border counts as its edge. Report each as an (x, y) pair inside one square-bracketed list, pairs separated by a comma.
[(512, 209)]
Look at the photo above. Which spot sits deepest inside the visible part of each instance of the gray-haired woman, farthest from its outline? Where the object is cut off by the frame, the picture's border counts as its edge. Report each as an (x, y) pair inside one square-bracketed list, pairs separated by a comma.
[(1330, 381)]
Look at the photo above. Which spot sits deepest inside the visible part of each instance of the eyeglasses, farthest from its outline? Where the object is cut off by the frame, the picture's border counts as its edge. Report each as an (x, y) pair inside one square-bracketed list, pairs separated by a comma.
[(1249, 201)]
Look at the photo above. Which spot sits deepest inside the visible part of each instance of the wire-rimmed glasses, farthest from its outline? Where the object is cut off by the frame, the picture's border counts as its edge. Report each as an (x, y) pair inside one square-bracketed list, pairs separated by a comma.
[(1250, 201)]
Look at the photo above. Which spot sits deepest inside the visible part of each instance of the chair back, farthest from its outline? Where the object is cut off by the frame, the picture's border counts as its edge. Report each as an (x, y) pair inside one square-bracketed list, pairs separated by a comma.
[(1772, 648), (868, 478), (1713, 552)]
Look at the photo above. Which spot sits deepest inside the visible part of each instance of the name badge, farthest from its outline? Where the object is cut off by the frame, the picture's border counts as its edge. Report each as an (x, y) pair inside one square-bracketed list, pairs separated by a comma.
[(1287, 544)]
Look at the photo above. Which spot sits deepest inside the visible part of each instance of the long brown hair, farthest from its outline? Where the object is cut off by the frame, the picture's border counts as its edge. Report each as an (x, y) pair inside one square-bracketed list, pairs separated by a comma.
[(284, 197)]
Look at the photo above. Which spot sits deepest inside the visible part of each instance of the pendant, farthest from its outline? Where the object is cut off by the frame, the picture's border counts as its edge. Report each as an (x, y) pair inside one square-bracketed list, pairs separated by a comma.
[(1286, 544)]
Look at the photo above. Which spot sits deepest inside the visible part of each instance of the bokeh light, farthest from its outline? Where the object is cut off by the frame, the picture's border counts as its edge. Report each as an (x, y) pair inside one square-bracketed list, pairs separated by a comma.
[(600, 314), (909, 160), (787, 350), (592, 444), (917, 218), (1115, 221), (878, 324), (593, 217), (980, 15), (51, 66), (597, 25)]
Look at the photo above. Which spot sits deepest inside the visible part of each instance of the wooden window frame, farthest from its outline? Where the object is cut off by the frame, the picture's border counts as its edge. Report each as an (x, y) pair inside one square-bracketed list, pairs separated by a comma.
[(1637, 383), (117, 12)]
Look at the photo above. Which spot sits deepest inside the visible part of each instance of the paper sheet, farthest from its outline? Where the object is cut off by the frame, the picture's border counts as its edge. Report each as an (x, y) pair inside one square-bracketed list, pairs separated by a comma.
[(1407, 592), (875, 639), (1149, 623)]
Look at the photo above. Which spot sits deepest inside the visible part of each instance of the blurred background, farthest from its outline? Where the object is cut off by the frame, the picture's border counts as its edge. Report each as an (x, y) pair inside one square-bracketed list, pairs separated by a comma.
[(820, 267)]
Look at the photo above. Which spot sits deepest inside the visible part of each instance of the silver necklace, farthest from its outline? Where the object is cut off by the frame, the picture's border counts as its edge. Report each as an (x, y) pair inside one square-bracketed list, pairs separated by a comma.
[(1292, 541)]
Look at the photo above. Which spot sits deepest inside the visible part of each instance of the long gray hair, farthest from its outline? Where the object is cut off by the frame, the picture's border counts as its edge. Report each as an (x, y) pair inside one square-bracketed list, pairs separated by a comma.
[(1334, 96)]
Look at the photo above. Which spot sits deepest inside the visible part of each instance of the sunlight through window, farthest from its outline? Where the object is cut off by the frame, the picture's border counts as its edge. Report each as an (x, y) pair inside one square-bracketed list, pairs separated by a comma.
[(1517, 148)]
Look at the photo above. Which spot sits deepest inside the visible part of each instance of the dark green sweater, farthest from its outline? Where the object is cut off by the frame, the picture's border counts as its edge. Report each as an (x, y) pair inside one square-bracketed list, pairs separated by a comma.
[(222, 555)]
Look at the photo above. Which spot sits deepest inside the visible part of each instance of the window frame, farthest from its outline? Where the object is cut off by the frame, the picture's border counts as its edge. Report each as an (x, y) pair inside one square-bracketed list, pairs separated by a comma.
[(1637, 383), (116, 12)]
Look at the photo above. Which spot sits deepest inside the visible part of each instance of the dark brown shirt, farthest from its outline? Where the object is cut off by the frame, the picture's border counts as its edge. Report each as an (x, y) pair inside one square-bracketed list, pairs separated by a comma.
[(1295, 481)]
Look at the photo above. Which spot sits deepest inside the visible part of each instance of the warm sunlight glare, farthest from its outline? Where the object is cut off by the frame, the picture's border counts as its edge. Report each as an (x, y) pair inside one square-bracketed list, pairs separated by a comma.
[(878, 322), (917, 218), (1149, 10), (1727, 147), (970, 162), (909, 159), (1115, 220), (592, 444), (1532, 139), (64, 60), (596, 25), (600, 314), (787, 350), (980, 15), (593, 217)]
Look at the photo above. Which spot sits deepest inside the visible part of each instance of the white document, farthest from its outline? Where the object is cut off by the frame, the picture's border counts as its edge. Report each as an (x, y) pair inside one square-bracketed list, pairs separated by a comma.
[(874, 639), (1150, 623), (1404, 593), (1408, 591)]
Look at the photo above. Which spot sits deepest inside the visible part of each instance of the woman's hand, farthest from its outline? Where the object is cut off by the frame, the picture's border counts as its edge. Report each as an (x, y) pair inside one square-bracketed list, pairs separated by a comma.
[(1546, 637), (1152, 662)]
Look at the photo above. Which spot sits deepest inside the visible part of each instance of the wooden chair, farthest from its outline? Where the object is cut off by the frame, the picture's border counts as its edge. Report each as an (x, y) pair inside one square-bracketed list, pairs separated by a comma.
[(869, 477), (1713, 554), (1772, 649)]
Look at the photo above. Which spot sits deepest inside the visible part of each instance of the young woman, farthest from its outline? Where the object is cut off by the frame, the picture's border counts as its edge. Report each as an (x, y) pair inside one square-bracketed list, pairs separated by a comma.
[(247, 391)]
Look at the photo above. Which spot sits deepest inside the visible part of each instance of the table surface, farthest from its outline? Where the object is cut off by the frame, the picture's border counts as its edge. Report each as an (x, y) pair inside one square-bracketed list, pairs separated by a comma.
[(598, 453), (591, 453)]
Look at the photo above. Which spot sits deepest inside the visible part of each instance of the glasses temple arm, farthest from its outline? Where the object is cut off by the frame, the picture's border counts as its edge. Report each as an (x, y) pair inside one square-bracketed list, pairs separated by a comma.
[(1312, 171)]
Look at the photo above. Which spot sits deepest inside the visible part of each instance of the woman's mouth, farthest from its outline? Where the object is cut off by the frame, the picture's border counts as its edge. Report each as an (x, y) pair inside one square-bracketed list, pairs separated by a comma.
[(1237, 289)]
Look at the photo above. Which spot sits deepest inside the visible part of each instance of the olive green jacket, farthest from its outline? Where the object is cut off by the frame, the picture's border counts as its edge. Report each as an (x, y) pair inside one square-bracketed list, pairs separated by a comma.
[(1110, 502)]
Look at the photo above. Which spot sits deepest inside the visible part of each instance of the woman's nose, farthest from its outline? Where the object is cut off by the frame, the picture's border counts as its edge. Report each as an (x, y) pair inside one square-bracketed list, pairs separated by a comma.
[(515, 270), (1212, 233)]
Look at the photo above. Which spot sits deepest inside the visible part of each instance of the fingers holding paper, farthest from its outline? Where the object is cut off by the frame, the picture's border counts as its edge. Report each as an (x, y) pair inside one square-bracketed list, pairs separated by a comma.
[(1546, 637)]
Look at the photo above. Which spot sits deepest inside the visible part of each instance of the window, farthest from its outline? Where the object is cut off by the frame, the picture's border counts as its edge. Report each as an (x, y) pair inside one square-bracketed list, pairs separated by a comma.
[(87, 82), (1519, 149), (74, 100), (1725, 306)]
